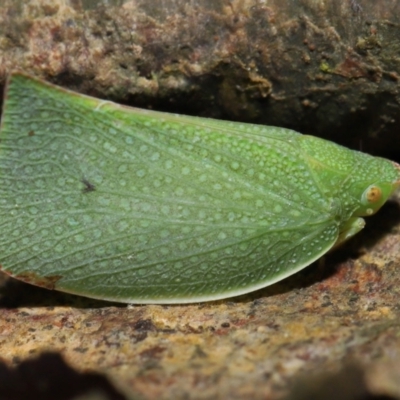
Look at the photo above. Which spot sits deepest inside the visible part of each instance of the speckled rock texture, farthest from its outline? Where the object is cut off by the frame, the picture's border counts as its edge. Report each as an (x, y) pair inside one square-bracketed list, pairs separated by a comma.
[(331, 331)]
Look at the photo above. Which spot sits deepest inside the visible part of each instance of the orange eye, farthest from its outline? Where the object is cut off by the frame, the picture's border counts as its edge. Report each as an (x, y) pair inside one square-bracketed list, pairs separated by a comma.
[(373, 194)]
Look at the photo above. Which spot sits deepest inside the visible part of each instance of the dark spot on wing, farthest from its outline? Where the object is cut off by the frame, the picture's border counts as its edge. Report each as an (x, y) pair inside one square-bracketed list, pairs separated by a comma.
[(89, 187)]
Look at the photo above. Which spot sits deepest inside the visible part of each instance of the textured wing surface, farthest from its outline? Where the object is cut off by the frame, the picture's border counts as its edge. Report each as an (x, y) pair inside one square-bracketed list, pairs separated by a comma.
[(133, 205)]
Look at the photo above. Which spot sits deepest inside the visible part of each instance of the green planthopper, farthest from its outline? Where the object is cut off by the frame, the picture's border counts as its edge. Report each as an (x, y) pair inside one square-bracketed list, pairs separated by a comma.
[(139, 206)]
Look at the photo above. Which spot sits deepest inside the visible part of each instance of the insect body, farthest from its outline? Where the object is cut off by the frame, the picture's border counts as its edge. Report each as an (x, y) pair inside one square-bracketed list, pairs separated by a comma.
[(171, 208)]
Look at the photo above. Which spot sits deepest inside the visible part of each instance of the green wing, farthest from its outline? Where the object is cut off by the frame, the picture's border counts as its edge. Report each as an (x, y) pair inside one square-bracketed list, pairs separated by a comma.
[(139, 206)]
